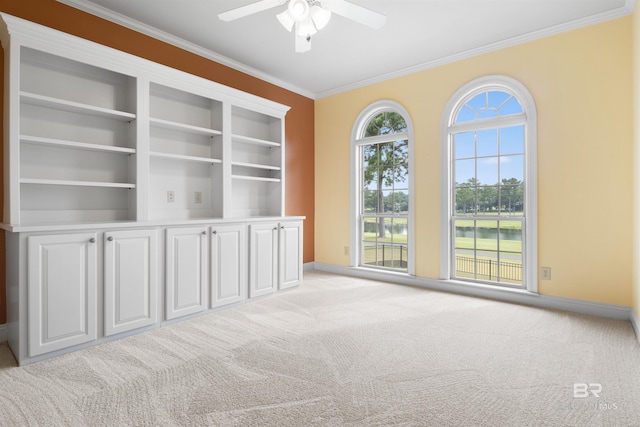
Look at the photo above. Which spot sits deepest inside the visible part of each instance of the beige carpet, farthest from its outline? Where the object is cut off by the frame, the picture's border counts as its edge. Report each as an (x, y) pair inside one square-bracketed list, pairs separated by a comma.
[(342, 351)]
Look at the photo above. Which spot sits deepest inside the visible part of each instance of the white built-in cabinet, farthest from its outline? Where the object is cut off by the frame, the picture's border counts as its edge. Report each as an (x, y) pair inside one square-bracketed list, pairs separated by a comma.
[(290, 254), (62, 291), (187, 268), (275, 257), (130, 190), (228, 263), (130, 280)]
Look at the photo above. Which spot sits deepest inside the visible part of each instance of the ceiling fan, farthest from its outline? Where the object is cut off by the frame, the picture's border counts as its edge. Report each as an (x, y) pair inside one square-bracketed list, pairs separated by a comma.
[(308, 16)]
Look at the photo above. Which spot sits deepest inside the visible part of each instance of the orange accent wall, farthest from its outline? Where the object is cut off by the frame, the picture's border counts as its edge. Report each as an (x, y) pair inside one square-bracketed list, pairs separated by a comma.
[(299, 120)]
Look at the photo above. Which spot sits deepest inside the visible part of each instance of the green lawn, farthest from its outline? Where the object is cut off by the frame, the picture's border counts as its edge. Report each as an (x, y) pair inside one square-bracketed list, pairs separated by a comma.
[(488, 223), (489, 244)]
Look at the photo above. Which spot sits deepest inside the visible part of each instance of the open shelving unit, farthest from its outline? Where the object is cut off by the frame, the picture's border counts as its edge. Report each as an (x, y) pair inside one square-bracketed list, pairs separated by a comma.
[(107, 137), (76, 141), (257, 164)]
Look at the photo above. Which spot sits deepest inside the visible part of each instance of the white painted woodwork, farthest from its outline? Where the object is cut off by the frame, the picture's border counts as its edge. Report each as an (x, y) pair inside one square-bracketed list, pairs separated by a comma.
[(275, 256), (186, 271), (228, 264), (62, 282), (130, 280), (290, 254), (97, 135), (263, 259), (93, 141)]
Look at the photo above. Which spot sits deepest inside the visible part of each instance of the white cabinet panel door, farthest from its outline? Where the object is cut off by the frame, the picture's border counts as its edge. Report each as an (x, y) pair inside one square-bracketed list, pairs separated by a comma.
[(62, 293), (263, 259), (228, 264), (186, 271), (130, 285), (290, 254)]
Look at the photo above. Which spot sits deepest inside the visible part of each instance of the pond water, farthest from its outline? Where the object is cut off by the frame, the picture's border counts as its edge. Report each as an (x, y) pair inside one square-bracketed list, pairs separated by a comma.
[(395, 228), (489, 233)]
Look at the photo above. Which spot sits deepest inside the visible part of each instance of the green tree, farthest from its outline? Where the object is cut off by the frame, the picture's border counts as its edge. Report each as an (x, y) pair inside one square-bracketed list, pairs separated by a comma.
[(396, 201), (385, 163), (488, 198), (511, 194), (464, 197)]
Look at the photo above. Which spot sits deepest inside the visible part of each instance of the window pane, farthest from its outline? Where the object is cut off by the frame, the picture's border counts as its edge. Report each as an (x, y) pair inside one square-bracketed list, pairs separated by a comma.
[(497, 98), (511, 199), (511, 251), (488, 199), (465, 200), (370, 201), (512, 106), (487, 142), (512, 169), (478, 102), (401, 202), (465, 114), (464, 171), (488, 170), (464, 248), (464, 145), (512, 140)]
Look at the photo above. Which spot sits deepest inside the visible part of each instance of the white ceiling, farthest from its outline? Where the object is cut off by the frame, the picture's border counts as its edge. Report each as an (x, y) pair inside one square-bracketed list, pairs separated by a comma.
[(418, 34)]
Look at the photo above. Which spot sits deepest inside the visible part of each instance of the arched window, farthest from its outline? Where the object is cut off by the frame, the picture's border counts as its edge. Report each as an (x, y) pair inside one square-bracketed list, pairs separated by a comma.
[(489, 230), (382, 201)]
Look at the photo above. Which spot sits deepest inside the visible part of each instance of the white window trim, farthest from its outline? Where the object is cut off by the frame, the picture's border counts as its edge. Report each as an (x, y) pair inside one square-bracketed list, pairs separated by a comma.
[(356, 141), (510, 85)]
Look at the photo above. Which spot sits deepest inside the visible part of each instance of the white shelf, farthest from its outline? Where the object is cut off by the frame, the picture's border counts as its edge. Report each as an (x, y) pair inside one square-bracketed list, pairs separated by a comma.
[(255, 178), (256, 166), (77, 183), (181, 157), (197, 130), (254, 141), (74, 107), (74, 144)]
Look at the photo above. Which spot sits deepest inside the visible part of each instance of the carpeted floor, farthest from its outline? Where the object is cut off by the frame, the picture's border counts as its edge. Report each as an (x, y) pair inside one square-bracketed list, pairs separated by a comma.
[(342, 351)]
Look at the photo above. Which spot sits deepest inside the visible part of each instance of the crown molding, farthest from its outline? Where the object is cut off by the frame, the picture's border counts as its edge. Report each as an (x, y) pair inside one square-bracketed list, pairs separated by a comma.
[(624, 10), (132, 24), (117, 18)]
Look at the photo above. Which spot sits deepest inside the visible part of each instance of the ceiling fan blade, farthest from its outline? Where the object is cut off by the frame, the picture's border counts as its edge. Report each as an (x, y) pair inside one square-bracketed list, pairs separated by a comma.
[(356, 13), (249, 9)]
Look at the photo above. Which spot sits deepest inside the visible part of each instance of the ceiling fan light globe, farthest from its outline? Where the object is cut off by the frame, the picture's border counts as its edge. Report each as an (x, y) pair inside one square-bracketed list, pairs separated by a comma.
[(286, 20), (298, 9), (320, 16)]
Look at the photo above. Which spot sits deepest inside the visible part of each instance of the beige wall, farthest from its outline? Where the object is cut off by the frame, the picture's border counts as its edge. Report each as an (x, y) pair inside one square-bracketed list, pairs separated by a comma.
[(581, 82), (636, 158)]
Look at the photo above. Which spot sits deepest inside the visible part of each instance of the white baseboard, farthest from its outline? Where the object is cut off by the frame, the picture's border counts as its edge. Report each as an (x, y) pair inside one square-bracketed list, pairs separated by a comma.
[(635, 322), (509, 295), (308, 266), (3, 333)]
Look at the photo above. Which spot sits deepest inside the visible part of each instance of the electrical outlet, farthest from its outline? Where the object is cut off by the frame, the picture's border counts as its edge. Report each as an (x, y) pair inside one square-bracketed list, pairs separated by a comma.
[(346, 250), (198, 197), (171, 196), (545, 273)]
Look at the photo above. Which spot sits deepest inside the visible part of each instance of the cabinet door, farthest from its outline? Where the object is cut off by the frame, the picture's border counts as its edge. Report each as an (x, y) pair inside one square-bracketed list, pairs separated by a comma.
[(61, 291), (290, 254), (130, 287), (228, 264), (263, 269), (186, 281)]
